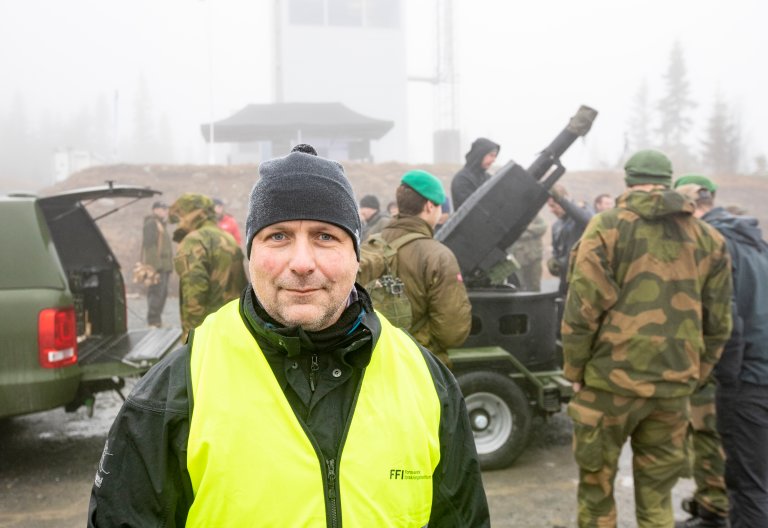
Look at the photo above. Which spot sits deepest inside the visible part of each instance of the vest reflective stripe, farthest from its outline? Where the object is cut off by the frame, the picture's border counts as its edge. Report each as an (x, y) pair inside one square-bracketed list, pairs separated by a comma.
[(251, 463)]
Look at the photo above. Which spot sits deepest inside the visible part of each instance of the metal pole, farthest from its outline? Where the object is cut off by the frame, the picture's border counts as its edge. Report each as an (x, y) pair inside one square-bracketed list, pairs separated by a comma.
[(211, 131), (277, 48), (115, 127)]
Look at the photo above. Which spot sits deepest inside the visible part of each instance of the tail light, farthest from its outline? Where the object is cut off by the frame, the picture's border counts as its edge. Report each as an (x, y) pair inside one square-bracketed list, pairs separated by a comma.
[(57, 337)]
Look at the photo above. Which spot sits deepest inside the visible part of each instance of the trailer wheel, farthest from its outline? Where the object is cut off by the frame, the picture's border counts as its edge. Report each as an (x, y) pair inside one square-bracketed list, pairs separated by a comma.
[(500, 417)]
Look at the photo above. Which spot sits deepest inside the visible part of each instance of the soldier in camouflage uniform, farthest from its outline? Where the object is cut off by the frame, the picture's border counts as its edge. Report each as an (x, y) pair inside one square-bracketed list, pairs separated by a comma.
[(528, 252), (709, 505), (646, 317), (208, 260)]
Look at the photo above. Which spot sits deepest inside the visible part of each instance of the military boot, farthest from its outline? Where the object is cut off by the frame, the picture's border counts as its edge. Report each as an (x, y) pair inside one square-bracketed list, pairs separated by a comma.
[(704, 518)]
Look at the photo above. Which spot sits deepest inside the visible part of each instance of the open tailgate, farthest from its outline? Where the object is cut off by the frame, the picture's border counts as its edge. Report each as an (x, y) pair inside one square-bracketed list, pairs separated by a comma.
[(129, 354)]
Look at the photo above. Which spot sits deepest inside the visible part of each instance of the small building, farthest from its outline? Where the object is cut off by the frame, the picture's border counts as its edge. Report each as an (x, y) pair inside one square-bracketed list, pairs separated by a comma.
[(68, 161), (262, 131)]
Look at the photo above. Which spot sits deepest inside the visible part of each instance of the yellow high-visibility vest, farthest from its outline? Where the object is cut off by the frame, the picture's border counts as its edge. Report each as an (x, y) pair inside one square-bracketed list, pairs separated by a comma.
[(252, 463)]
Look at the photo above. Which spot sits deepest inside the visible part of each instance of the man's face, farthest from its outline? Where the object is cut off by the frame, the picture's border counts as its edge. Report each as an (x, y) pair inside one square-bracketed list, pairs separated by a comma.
[(555, 208), (433, 213), (366, 213), (303, 272), (488, 159), (160, 212), (604, 203)]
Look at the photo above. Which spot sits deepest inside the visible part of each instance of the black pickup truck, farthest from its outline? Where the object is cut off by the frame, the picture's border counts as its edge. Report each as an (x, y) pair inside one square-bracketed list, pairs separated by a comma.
[(63, 323)]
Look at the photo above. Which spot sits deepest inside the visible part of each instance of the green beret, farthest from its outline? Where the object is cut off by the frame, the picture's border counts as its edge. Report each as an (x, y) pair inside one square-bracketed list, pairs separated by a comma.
[(697, 179), (648, 166), (426, 185)]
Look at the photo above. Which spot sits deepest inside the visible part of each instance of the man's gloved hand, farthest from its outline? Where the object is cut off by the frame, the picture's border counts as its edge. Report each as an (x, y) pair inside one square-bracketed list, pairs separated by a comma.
[(554, 266), (499, 272), (557, 192)]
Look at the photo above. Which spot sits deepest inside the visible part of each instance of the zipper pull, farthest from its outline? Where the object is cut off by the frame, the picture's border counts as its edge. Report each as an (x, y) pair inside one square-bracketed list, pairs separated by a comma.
[(332, 478), (313, 371)]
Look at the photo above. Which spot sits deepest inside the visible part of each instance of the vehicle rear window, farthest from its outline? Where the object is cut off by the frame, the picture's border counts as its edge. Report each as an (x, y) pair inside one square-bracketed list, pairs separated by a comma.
[(28, 258)]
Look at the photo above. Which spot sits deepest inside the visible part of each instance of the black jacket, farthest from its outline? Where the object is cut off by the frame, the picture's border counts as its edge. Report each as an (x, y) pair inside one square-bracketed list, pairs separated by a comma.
[(746, 354), (142, 478), (472, 175), (565, 233)]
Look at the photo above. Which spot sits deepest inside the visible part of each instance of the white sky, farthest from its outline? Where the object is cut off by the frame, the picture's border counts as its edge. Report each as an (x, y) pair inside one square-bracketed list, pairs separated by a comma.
[(525, 67)]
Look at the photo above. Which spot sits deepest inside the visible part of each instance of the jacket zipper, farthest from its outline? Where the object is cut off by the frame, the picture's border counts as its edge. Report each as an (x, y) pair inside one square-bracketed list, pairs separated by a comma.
[(313, 372), (332, 491)]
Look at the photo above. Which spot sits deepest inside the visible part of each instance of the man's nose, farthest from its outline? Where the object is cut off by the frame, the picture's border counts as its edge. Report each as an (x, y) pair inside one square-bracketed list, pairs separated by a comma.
[(303, 257)]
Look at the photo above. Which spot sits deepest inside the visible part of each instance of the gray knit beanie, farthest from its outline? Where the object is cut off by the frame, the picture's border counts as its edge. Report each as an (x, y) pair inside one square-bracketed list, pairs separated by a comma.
[(302, 186)]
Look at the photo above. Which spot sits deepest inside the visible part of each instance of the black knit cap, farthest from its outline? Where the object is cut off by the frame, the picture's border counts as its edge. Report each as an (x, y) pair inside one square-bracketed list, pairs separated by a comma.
[(302, 186), (369, 201)]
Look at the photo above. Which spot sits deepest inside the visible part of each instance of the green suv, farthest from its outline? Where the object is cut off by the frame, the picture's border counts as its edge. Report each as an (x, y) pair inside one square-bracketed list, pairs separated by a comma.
[(63, 331)]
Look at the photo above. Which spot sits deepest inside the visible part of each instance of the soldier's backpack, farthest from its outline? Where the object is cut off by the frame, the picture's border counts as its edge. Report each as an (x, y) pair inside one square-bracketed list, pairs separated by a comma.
[(378, 274)]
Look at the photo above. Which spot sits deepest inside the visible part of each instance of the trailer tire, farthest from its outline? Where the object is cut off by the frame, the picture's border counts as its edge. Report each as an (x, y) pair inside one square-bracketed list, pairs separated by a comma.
[(500, 416)]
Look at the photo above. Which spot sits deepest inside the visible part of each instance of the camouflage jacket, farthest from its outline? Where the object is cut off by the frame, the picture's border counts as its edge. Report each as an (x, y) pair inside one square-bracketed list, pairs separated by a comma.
[(156, 244), (529, 248), (433, 284), (648, 310), (211, 273)]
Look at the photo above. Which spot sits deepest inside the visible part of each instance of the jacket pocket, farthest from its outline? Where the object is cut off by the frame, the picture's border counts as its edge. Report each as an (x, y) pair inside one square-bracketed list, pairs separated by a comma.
[(587, 436)]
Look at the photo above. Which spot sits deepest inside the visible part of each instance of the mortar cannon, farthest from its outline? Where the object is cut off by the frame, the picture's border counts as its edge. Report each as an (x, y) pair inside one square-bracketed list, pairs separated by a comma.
[(495, 215), (510, 366)]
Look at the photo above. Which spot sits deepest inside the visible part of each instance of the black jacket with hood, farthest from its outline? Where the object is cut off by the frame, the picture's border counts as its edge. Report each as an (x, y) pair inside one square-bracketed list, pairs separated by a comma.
[(143, 480), (746, 354), (472, 175)]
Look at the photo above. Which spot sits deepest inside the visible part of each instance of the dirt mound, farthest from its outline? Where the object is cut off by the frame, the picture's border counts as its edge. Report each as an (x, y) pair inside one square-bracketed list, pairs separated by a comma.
[(233, 185)]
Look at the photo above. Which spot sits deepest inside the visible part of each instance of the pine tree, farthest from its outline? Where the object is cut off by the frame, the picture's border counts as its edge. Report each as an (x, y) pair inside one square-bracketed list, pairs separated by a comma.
[(722, 145), (16, 140), (640, 121), (143, 148), (674, 110)]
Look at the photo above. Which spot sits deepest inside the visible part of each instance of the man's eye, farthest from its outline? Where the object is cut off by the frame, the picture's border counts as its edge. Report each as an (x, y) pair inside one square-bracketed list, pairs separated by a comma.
[(326, 237), (277, 237)]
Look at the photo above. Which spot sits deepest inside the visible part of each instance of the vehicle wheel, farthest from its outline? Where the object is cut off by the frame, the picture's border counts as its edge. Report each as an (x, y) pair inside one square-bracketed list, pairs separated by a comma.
[(500, 417)]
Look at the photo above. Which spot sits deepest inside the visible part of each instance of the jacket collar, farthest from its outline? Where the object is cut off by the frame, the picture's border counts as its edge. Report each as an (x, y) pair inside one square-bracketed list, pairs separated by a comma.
[(412, 224), (351, 339)]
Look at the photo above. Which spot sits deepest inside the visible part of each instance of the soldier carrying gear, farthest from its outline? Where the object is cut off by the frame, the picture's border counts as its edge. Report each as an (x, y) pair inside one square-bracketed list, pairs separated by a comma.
[(208, 260), (646, 318), (441, 313)]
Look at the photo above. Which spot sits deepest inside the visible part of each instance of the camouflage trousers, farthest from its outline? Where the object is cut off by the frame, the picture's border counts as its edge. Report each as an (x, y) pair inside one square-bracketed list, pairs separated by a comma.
[(529, 276), (657, 427), (705, 448)]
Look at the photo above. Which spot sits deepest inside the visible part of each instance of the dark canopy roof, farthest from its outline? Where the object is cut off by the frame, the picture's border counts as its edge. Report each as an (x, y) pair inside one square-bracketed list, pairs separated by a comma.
[(282, 121)]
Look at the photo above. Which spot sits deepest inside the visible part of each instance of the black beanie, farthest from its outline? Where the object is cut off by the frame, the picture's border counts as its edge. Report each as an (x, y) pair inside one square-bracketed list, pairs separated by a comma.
[(302, 186)]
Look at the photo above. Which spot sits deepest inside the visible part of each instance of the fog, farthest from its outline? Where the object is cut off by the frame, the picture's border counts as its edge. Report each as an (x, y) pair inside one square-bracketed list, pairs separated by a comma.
[(82, 68)]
